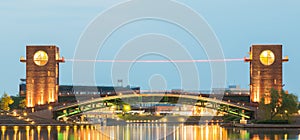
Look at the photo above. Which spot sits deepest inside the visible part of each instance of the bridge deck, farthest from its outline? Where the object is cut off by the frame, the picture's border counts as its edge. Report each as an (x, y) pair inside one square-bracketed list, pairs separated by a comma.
[(193, 97)]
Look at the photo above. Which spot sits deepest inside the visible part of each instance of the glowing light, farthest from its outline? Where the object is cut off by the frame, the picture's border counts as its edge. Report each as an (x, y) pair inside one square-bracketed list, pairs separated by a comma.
[(50, 108), (16, 128), (267, 57), (38, 131), (38, 128), (27, 132), (257, 93), (3, 129), (49, 132), (285, 136), (75, 127), (40, 58), (27, 128), (58, 128), (49, 128), (14, 113), (157, 61)]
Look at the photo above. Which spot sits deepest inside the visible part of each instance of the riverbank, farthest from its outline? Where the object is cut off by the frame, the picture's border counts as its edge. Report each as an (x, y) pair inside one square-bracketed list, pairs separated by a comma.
[(13, 119), (294, 123), (267, 125)]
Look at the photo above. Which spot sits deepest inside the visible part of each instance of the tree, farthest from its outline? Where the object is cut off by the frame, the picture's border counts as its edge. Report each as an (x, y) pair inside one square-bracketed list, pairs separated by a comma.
[(5, 102), (126, 107), (22, 103), (277, 103), (289, 104)]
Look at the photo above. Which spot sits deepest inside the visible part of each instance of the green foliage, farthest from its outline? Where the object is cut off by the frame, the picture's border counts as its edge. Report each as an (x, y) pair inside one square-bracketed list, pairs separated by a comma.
[(22, 103), (280, 103), (16, 103), (126, 107), (5, 102), (289, 104)]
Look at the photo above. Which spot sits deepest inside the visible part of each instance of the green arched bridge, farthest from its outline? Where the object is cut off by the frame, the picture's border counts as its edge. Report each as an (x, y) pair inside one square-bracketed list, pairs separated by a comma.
[(237, 109)]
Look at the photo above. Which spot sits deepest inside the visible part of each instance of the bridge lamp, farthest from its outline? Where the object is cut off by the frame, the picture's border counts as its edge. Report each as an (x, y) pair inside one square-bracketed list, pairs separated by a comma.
[(14, 113)]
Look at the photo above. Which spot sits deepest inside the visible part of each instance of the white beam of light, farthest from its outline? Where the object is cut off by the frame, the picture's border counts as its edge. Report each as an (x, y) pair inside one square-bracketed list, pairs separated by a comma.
[(157, 61)]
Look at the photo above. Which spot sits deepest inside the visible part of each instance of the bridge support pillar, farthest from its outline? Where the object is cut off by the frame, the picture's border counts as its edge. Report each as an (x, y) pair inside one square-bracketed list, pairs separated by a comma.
[(82, 118), (243, 120)]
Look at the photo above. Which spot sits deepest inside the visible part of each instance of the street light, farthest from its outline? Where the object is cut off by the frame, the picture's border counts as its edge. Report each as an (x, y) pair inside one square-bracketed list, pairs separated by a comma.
[(50, 108), (286, 113)]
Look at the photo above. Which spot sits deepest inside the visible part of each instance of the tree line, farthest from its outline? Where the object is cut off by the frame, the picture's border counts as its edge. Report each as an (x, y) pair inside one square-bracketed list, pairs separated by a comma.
[(278, 103), (6, 101)]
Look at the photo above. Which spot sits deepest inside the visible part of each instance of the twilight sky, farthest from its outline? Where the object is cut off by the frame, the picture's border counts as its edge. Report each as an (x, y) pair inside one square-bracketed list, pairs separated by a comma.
[(237, 24)]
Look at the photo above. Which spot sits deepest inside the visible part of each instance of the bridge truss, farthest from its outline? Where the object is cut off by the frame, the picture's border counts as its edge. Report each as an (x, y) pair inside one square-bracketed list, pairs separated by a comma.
[(239, 110)]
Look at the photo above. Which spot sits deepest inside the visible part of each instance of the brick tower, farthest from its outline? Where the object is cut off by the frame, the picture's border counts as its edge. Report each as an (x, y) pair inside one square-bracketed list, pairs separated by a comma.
[(265, 70), (42, 74)]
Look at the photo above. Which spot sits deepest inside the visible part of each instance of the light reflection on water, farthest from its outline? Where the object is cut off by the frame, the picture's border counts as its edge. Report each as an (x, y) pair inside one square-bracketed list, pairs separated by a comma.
[(144, 131)]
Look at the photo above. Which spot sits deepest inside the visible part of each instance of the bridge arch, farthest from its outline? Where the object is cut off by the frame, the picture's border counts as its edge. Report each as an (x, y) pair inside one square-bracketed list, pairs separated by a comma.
[(212, 103)]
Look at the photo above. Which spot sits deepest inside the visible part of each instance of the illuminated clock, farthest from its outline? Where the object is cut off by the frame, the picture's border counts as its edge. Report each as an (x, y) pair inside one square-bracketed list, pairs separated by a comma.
[(267, 57), (40, 58)]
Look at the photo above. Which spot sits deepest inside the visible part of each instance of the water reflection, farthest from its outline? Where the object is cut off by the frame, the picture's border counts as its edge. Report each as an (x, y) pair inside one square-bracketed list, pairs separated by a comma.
[(144, 131)]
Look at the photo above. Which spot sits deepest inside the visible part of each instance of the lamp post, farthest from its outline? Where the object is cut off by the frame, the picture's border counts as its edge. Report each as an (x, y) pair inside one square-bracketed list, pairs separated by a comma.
[(286, 113)]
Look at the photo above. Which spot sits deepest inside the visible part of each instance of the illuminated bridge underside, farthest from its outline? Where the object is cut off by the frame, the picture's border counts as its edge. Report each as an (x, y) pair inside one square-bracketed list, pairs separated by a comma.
[(98, 103)]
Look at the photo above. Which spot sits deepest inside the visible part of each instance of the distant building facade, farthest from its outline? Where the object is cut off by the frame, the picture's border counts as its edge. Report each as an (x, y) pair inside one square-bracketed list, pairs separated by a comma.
[(101, 91)]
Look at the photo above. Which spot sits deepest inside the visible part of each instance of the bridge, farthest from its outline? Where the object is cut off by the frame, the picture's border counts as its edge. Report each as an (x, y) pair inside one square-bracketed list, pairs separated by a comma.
[(237, 109)]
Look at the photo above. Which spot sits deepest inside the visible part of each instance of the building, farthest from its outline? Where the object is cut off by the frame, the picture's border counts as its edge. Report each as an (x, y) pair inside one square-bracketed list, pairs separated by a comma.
[(236, 90), (265, 70), (42, 74), (70, 93)]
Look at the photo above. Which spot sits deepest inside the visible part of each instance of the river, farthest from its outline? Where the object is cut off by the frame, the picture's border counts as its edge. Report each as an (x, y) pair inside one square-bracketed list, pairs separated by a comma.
[(145, 131)]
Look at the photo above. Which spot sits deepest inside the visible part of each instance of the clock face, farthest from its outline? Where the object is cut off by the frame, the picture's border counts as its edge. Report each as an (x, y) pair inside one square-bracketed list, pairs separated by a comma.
[(267, 57), (40, 58)]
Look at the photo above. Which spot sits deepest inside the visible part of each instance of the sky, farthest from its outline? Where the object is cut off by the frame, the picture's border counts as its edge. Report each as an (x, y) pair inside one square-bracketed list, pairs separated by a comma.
[(236, 24)]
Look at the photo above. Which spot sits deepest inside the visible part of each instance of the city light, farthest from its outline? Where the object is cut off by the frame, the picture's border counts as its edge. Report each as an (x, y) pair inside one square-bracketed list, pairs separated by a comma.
[(42, 89), (50, 108)]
